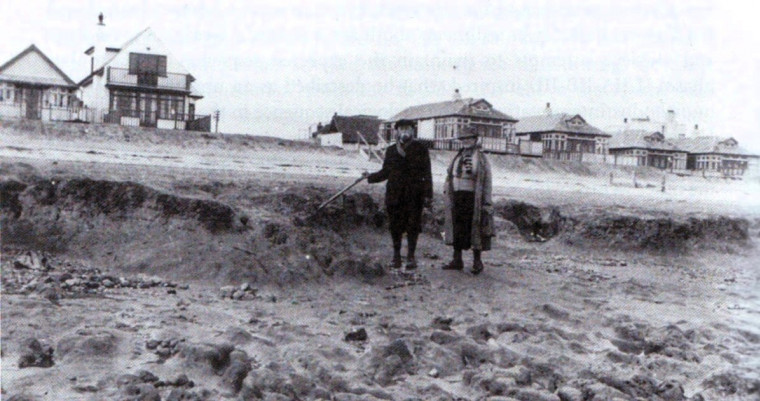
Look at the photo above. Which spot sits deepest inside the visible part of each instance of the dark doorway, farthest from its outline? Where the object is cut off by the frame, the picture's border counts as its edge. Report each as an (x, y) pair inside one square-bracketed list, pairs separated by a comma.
[(148, 110), (191, 112), (33, 97)]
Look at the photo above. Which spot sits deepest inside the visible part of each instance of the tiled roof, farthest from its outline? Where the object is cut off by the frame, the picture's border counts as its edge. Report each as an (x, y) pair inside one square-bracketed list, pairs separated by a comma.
[(63, 80), (556, 123), (711, 144), (349, 125), (641, 139), (461, 107)]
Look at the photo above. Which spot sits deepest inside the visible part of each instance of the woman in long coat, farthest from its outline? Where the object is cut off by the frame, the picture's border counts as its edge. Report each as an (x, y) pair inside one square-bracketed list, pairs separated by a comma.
[(468, 203)]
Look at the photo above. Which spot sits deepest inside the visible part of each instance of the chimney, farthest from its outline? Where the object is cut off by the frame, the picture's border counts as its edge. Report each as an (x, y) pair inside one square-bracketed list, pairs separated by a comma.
[(457, 95), (625, 124), (696, 130), (671, 116), (548, 109), (99, 49)]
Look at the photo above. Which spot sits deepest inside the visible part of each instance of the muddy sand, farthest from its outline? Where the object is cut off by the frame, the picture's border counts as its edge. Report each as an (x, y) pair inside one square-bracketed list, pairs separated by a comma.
[(147, 281)]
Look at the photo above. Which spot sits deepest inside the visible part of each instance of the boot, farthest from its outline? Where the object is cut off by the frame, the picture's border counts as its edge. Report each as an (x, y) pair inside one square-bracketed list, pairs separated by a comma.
[(477, 264), (396, 262), (456, 262), (411, 263)]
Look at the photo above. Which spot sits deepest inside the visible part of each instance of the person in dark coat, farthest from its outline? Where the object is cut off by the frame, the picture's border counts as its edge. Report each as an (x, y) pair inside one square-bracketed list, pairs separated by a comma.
[(408, 191)]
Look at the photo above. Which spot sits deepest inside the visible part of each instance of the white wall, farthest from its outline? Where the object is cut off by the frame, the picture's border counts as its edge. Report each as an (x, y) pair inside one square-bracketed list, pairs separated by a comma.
[(528, 147), (426, 129), (147, 43), (621, 160), (335, 139)]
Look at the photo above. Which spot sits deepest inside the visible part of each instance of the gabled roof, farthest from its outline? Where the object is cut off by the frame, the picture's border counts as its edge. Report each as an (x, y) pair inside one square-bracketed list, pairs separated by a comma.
[(460, 107), (559, 122), (349, 125), (641, 139), (61, 80), (99, 70), (712, 144)]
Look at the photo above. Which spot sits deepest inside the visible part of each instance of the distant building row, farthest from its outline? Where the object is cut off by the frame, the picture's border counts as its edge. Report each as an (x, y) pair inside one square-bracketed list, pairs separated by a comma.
[(558, 136), (137, 84)]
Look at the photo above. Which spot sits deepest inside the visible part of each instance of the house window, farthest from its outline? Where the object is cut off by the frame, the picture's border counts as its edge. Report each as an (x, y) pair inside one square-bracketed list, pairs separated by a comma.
[(147, 64), (171, 107)]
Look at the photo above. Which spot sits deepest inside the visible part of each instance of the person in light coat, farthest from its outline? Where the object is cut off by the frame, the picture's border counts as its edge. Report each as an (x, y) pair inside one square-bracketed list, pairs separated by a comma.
[(468, 203)]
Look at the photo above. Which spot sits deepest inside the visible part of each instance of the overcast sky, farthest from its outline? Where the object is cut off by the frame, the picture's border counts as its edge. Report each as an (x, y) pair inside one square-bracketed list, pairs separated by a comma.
[(273, 68)]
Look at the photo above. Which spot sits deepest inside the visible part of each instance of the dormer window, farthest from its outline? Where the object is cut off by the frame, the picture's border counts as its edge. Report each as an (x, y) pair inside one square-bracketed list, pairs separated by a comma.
[(147, 64)]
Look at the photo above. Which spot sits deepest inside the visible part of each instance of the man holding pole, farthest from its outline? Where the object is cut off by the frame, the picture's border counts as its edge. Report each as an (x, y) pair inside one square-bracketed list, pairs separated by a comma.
[(409, 189)]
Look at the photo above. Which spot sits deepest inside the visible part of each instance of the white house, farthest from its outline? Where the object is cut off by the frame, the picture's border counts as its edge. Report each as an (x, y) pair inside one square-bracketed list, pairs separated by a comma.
[(33, 87), (141, 83)]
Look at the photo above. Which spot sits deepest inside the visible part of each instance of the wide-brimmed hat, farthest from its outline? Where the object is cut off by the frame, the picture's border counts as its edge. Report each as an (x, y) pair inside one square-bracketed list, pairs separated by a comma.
[(404, 123), (468, 131)]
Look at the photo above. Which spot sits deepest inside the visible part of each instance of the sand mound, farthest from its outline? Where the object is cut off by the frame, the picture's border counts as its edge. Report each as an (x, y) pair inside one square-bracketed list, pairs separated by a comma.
[(278, 236), (112, 223), (660, 234), (608, 230)]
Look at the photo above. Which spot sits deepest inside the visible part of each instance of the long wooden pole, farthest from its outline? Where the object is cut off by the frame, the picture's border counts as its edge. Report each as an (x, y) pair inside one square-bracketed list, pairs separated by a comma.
[(341, 192)]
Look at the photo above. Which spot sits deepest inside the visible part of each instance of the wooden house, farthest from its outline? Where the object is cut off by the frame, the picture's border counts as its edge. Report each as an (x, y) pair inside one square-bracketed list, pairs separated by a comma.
[(712, 154), (561, 136), (439, 124), (646, 148), (33, 87), (141, 84), (349, 131)]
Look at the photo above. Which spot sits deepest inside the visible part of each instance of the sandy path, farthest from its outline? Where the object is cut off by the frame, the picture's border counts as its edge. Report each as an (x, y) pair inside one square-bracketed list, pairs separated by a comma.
[(582, 322)]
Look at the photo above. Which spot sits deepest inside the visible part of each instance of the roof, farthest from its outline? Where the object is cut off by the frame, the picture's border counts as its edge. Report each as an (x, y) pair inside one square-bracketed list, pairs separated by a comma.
[(712, 144), (99, 69), (62, 80), (459, 107), (349, 125), (559, 122), (641, 139)]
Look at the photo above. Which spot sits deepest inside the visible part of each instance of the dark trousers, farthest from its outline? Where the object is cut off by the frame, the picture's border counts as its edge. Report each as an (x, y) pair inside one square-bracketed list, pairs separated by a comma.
[(405, 218), (464, 207)]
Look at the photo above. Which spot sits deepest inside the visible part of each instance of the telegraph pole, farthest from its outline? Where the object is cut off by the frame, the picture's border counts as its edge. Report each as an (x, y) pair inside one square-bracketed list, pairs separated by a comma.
[(216, 118)]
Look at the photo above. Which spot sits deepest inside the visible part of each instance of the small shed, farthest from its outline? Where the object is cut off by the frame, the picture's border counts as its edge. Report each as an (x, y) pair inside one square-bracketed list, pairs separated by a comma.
[(350, 131)]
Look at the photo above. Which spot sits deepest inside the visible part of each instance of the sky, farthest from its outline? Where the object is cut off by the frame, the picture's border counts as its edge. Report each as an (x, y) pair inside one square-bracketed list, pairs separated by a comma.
[(277, 68)]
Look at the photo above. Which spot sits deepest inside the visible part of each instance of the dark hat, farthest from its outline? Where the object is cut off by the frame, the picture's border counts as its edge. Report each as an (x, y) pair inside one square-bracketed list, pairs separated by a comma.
[(468, 131), (404, 123)]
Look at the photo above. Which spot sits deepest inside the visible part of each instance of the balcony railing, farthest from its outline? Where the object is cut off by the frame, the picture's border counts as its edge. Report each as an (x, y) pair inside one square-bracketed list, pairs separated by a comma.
[(173, 81), (160, 120)]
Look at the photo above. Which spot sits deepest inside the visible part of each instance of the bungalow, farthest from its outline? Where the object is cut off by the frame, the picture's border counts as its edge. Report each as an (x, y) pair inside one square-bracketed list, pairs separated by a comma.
[(33, 87), (646, 148), (141, 84), (439, 123), (561, 136), (716, 155), (349, 131)]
